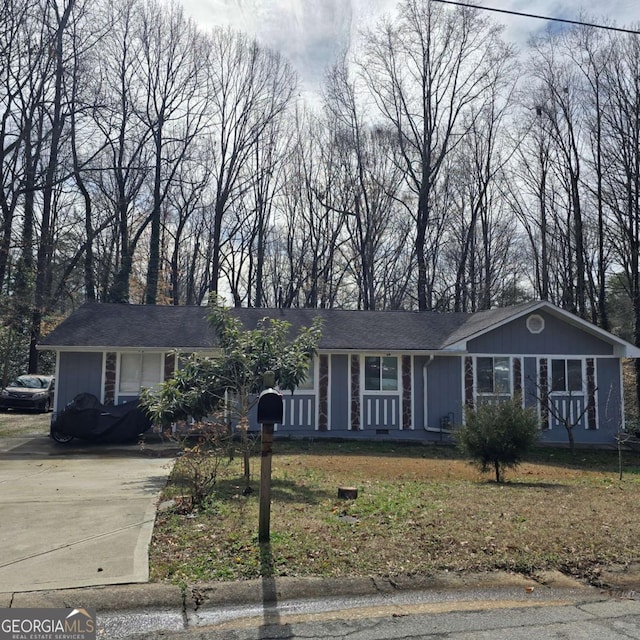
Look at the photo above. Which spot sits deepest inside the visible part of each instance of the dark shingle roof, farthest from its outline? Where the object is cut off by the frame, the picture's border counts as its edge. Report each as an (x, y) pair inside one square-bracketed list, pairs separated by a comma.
[(123, 326), (362, 330), (151, 326)]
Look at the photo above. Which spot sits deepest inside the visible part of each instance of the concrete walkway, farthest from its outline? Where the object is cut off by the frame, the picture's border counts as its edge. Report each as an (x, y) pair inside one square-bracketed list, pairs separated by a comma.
[(77, 515)]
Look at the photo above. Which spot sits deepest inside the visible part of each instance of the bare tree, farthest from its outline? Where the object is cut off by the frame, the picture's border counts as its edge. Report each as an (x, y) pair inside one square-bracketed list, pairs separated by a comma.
[(425, 71), (57, 21), (368, 186), (482, 252), (184, 200), (124, 164), (250, 87), (560, 111), (20, 89), (26, 71), (621, 153), (590, 50), (313, 222), (172, 72), (252, 217)]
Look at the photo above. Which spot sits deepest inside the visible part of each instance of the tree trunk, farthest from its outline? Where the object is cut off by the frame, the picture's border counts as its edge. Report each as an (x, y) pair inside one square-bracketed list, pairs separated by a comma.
[(153, 266), (571, 439), (45, 247)]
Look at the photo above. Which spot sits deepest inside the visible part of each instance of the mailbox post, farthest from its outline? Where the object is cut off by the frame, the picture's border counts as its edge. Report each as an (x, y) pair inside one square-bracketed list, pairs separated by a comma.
[(270, 412)]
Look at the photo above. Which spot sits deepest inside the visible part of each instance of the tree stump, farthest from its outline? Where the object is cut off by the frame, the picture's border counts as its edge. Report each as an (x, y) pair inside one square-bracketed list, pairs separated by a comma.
[(347, 493)]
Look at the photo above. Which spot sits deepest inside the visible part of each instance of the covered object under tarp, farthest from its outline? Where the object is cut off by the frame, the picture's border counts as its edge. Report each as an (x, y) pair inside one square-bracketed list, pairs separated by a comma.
[(86, 418)]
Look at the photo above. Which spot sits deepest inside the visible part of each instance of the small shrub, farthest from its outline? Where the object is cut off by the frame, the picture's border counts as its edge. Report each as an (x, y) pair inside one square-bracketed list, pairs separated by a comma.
[(498, 434), (205, 447)]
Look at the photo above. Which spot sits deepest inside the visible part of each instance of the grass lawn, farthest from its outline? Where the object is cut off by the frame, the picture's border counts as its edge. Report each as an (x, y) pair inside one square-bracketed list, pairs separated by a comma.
[(420, 509), (14, 423)]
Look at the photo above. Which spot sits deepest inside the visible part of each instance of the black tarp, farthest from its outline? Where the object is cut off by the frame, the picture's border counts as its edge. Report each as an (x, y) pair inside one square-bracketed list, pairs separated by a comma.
[(86, 418)]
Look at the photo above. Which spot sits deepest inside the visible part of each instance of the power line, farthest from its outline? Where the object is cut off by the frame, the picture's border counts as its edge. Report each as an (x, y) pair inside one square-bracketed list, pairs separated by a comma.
[(538, 17)]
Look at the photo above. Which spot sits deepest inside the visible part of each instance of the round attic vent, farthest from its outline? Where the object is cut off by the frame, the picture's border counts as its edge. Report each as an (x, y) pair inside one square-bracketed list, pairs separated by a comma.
[(535, 323)]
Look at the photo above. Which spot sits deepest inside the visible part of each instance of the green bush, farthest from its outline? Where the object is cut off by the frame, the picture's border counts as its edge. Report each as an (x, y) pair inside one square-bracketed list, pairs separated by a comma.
[(498, 434)]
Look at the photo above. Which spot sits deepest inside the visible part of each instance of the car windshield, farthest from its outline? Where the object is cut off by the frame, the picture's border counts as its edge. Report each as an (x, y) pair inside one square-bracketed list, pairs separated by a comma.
[(31, 382)]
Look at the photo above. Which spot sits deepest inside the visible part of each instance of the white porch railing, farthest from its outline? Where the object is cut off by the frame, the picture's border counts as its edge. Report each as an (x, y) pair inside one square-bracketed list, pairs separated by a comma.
[(381, 411), (570, 408)]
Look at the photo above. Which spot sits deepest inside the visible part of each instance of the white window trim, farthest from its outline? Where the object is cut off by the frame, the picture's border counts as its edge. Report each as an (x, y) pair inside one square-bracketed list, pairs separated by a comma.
[(126, 394), (486, 394), (315, 363), (583, 391), (380, 392)]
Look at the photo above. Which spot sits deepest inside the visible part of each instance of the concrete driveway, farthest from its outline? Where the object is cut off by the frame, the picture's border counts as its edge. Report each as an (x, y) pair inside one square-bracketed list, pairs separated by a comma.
[(77, 515)]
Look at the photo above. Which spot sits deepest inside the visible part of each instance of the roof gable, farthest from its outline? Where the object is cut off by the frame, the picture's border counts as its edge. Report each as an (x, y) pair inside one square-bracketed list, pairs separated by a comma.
[(485, 321)]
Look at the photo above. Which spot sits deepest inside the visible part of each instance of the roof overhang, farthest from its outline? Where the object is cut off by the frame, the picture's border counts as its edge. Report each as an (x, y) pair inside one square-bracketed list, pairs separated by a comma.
[(394, 352), (102, 349)]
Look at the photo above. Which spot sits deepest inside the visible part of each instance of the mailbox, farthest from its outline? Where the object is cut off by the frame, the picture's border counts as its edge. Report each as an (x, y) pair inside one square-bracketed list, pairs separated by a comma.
[(270, 408)]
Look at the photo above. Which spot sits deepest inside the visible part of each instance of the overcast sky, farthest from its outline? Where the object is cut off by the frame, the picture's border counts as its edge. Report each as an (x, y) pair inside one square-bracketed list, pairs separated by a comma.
[(311, 32)]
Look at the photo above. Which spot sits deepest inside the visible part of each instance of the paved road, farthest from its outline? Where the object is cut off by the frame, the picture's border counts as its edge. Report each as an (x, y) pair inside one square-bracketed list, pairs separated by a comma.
[(75, 515), (479, 614)]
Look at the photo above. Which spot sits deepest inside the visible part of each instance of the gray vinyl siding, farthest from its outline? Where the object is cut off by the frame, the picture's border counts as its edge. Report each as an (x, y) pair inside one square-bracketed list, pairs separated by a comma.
[(444, 391), (339, 386), (558, 337), (609, 394), (441, 378), (419, 418), (608, 407), (78, 373), (300, 409)]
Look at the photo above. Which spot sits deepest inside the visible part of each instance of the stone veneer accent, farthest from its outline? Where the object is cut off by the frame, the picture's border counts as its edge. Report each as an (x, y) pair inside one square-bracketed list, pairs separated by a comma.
[(591, 394), (110, 378), (406, 392), (323, 402), (544, 394), (355, 393), (517, 376)]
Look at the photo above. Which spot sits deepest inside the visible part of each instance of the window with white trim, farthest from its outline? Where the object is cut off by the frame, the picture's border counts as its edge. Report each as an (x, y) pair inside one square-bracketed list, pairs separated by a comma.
[(139, 370), (567, 375), (381, 373), (493, 375), (309, 383)]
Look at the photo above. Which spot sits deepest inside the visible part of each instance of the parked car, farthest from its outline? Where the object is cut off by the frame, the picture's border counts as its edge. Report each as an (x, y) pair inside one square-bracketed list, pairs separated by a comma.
[(33, 392)]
